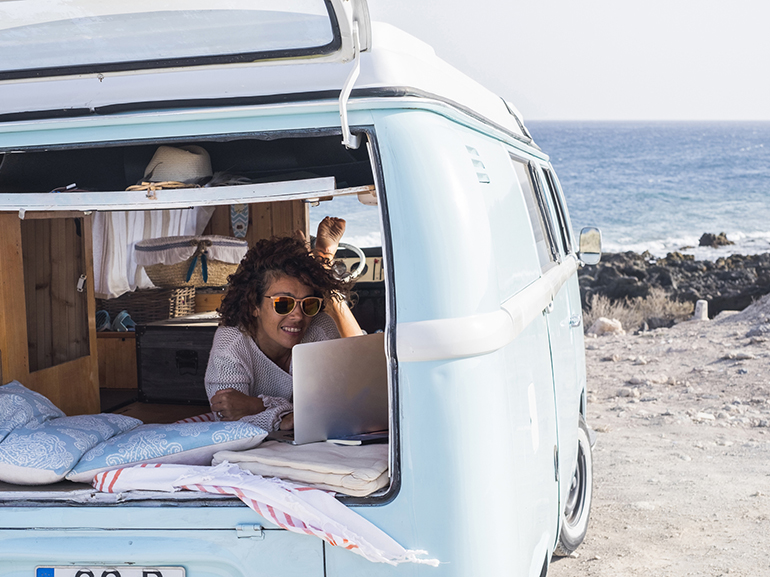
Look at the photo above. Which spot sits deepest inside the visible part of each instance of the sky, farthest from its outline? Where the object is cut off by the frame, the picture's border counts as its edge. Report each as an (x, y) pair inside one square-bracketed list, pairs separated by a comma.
[(604, 59)]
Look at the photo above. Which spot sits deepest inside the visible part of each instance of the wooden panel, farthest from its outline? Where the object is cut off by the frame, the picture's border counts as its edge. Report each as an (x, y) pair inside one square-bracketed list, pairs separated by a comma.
[(57, 315), (73, 386), (88, 257), (117, 360), (220, 222), (13, 316), (260, 222), (61, 329), (266, 219), (301, 217), (162, 413)]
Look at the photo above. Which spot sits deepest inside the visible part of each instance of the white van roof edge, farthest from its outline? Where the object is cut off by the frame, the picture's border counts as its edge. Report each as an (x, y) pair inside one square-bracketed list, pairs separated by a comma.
[(396, 62)]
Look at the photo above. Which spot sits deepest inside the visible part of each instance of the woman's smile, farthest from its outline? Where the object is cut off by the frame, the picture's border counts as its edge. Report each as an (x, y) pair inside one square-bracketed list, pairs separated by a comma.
[(277, 334)]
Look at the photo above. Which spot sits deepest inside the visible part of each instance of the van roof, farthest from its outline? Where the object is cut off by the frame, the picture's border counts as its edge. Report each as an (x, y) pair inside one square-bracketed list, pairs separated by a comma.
[(392, 64)]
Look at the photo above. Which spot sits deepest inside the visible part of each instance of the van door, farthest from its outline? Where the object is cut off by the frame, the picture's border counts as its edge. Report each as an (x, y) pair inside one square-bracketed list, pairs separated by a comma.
[(565, 329), (548, 256)]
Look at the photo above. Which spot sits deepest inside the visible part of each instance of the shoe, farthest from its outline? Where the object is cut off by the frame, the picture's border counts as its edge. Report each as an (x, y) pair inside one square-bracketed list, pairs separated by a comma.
[(103, 321), (123, 323)]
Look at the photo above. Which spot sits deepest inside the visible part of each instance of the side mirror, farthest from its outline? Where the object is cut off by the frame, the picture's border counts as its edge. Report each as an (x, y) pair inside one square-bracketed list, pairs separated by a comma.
[(590, 245)]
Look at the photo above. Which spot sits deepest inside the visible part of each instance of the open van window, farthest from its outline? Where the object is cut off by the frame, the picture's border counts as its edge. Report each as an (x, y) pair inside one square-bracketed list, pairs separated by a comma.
[(265, 167)]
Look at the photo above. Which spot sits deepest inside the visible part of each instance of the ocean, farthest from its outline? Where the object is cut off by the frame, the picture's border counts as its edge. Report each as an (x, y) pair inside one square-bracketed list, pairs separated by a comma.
[(658, 186), (655, 186)]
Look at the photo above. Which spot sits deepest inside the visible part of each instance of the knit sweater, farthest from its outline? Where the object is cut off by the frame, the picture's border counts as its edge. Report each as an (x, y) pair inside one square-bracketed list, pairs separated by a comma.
[(236, 362)]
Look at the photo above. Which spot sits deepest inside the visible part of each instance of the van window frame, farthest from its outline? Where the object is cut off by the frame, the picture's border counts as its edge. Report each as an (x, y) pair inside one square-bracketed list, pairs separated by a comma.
[(541, 215), (562, 219), (183, 62), (394, 487)]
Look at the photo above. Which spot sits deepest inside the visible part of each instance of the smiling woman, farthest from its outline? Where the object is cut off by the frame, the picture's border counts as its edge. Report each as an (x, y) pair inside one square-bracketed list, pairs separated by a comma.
[(273, 303)]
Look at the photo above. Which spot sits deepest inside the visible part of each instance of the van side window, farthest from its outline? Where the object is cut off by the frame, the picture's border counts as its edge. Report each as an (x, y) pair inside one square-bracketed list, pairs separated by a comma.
[(547, 251), (561, 214)]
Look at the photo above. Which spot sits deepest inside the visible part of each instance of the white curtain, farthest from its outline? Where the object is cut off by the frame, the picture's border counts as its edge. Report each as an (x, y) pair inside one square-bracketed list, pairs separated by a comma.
[(115, 233)]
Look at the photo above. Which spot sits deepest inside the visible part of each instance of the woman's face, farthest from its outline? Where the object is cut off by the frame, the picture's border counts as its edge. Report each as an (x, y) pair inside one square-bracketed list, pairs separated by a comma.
[(276, 333)]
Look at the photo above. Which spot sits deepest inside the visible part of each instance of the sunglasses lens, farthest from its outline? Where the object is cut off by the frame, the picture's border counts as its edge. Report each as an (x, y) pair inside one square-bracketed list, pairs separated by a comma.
[(311, 306), (283, 305)]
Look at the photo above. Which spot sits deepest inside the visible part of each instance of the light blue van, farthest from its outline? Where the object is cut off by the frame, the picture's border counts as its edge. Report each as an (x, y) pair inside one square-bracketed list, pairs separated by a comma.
[(470, 273)]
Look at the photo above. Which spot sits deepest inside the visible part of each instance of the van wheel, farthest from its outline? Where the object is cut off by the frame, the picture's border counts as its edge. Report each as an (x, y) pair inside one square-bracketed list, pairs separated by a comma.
[(574, 521)]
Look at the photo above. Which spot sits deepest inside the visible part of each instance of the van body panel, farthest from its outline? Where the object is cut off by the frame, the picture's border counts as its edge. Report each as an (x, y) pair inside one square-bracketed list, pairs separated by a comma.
[(204, 553), (495, 417)]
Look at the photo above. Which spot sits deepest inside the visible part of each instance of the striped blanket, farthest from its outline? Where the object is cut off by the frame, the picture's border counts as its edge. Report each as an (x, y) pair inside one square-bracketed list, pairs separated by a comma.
[(289, 506)]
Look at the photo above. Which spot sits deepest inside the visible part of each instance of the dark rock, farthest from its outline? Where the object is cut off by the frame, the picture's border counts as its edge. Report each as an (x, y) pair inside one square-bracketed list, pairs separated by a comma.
[(626, 287), (659, 323), (714, 240), (730, 283)]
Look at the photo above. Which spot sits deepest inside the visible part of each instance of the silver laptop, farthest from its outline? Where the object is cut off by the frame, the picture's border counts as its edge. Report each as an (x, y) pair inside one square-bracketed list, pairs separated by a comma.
[(340, 388)]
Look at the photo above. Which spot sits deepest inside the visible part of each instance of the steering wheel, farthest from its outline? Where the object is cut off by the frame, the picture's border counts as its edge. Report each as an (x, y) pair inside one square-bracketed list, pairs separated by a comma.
[(341, 271)]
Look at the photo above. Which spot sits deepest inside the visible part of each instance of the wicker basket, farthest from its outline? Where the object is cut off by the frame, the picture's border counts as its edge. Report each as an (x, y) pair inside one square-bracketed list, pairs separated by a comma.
[(202, 253), (149, 305), (165, 275)]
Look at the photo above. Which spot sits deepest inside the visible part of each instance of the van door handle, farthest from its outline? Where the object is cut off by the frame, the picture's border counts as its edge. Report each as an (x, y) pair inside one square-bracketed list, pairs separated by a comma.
[(575, 321), (249, 531)]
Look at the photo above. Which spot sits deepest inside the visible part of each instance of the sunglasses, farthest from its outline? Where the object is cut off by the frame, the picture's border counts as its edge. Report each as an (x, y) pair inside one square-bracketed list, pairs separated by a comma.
[(283, 305)]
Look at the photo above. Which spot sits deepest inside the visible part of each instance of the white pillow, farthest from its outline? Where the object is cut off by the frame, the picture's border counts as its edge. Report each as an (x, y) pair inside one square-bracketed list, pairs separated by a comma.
[(38, 453), (178, 443)]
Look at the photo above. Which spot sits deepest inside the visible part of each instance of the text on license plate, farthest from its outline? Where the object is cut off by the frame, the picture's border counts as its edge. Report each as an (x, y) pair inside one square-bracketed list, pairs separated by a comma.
[(109, 571)]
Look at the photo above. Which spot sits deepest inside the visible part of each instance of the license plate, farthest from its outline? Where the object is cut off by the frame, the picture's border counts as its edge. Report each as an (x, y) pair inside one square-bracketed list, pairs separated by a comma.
[(108, 571)]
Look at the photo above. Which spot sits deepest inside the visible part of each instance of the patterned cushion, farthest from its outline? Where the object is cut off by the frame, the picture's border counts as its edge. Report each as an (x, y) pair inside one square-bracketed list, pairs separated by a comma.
[(180, 443), (19, 406), (43, 452)]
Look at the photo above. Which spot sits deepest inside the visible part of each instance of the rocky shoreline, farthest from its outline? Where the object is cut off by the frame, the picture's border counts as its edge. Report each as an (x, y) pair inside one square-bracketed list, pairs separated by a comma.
[(730, 283)]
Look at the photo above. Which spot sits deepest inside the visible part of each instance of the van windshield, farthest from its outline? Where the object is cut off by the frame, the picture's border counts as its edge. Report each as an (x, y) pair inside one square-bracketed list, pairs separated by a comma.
[(54, 38)]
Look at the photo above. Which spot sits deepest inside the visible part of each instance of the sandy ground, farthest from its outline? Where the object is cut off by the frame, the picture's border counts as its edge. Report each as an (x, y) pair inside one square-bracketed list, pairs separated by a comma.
[(682, 459)]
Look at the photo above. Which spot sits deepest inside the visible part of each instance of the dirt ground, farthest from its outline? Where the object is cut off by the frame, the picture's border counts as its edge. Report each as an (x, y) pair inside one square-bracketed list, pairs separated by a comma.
[(682, 459)]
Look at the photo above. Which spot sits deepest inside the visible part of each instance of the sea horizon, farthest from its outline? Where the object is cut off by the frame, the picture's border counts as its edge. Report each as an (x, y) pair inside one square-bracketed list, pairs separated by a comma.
[(653, 186)]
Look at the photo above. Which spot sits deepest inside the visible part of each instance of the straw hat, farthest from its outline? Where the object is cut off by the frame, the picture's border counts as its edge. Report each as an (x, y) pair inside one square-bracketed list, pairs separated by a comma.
[(182, 164)]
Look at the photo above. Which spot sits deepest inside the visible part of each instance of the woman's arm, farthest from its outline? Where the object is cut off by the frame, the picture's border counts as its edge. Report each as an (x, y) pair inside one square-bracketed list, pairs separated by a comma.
[(337, 308), (231, 405)]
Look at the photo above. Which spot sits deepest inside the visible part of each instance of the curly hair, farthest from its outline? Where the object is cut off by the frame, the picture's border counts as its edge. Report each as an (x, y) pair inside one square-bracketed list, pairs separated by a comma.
[(266, 260)]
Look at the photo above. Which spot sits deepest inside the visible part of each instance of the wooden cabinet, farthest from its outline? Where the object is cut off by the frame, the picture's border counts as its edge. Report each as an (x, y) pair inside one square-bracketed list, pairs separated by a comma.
[(117, 360), (47, 325)]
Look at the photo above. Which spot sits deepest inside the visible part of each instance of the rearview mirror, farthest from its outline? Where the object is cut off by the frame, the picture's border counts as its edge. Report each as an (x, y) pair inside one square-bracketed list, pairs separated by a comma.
[(590, 245)]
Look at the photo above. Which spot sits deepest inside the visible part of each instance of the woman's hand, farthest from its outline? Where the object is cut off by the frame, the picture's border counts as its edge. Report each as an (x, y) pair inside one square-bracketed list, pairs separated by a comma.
[(287, 423), (231, 405), (337, 308)]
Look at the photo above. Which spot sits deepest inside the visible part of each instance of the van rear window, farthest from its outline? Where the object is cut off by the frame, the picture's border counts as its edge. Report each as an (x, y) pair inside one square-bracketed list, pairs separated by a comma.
[(50, 39)]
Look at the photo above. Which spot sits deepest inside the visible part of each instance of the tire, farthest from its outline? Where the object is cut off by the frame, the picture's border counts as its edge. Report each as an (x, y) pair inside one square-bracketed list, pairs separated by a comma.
[(577, 509)]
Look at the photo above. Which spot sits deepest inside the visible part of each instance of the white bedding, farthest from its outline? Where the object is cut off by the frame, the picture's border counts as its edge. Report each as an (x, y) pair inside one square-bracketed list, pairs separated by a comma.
[(351, 470)]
